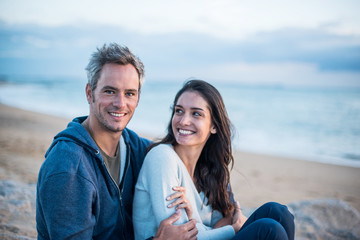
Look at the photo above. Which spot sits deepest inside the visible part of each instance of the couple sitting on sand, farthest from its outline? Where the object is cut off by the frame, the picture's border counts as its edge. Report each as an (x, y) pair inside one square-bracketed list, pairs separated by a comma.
[(100, 180)]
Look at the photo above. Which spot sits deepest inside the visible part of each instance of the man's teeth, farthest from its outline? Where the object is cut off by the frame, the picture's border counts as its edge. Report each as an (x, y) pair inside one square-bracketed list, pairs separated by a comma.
[(117, 114), (185, 132)]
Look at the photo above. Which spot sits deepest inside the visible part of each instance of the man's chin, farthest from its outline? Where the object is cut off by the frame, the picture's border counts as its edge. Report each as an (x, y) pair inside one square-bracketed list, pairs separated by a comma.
[(114, 129), (117, 127)]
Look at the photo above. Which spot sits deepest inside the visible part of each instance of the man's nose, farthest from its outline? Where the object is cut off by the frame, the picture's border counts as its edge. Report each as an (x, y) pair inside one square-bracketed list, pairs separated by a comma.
[(119, 101)]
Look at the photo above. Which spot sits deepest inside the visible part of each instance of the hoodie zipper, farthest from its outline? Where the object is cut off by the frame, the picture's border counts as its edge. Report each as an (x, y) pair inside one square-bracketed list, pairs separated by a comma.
[(120, 188), (97, 152)]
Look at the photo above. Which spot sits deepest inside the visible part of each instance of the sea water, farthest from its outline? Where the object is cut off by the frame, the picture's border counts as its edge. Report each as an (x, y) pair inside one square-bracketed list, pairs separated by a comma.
[(306, 122)]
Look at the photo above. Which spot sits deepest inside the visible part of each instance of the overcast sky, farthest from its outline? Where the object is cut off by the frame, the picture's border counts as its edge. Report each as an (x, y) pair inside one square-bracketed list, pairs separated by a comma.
[(274, 41)]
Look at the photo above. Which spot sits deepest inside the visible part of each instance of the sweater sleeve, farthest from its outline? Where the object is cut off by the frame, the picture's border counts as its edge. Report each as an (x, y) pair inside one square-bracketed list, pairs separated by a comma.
[(224, 233), (160, 174)]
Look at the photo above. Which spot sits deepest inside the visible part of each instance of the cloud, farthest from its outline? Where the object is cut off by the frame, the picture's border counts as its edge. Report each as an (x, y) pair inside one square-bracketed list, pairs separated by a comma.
[(326, 50), (225, 19), (283, 74), (290, 55)]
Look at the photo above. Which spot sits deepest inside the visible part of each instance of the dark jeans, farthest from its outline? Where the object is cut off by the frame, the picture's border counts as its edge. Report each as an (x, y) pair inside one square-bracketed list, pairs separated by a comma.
[(270, 221)]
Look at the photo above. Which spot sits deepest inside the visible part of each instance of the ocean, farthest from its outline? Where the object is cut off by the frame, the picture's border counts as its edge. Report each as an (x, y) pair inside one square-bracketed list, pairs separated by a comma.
[(304, 122)]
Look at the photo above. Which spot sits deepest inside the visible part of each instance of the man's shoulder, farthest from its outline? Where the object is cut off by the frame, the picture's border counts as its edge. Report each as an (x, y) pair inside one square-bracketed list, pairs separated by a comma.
[(65, 156), (134, 139), (74, 137), (70, 151)]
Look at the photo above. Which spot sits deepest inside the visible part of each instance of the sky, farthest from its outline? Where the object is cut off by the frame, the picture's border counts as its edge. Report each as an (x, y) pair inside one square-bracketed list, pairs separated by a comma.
[(272, 42)]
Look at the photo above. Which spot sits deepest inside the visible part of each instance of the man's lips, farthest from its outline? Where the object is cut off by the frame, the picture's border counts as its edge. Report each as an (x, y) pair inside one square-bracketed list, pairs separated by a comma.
[(117, 114)]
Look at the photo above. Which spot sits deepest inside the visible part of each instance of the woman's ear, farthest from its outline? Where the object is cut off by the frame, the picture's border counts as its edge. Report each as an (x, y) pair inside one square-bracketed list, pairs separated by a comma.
[(213, 130)]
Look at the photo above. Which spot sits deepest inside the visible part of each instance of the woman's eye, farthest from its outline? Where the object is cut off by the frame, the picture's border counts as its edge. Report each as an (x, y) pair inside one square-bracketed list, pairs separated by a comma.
[(178, 111), (196, 114)]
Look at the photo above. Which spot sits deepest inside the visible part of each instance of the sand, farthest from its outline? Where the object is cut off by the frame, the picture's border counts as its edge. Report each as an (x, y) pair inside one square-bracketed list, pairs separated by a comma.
[(256, 179)]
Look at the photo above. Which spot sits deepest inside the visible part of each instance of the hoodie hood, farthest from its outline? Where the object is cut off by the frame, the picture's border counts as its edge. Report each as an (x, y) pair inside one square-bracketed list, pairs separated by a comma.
[(75, 132)]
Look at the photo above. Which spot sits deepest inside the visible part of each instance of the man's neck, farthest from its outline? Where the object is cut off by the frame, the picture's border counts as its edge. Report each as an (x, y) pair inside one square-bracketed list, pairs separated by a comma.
[(108, 141)]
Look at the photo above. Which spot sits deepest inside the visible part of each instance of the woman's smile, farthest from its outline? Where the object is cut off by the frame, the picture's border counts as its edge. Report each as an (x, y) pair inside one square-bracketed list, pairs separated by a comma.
[(191, 121)]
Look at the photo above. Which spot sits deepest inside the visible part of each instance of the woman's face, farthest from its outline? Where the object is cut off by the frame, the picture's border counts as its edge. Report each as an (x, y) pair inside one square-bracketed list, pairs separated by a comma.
[(191, 122)]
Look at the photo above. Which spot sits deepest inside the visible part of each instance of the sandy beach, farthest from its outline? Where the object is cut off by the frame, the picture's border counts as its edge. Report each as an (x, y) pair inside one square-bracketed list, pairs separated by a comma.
[(256, 179)]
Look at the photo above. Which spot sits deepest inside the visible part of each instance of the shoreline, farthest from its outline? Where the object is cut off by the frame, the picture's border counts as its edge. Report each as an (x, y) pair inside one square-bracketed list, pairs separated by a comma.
[(255, 178), (330, 160)]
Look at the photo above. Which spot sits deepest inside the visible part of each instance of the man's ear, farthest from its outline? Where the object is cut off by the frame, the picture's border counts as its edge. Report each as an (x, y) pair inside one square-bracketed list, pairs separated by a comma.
[(88, 93), (138, 99)]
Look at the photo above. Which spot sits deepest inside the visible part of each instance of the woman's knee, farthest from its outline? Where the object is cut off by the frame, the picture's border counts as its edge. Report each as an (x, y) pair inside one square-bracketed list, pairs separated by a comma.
[(281, 214), (276, 209), (270, 229)]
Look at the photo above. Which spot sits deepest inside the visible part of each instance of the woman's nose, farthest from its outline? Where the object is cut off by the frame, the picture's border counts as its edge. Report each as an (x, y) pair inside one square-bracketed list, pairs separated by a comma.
[(185, 120)]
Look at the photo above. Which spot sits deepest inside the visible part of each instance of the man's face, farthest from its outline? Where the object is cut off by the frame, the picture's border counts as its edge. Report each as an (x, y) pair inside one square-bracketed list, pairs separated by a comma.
[(113, 102)]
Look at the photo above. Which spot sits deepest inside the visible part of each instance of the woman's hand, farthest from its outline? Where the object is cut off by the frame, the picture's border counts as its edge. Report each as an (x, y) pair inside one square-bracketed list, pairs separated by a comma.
[(223, 222), (181, 201), (238, 219)]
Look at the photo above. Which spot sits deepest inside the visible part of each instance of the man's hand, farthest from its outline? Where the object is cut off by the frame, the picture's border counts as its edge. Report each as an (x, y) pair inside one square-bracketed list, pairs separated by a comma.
[(181, 201), (169, 231)]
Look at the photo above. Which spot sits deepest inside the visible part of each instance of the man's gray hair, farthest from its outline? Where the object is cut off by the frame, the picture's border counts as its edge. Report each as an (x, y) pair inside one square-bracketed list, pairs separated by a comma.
[(112, 53)]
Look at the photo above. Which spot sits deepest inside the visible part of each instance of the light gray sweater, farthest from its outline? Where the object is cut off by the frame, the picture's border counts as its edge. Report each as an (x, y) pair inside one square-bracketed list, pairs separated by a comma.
[(163, 169)]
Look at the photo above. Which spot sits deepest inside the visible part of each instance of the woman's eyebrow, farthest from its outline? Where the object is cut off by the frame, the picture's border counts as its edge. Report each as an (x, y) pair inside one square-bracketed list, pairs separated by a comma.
[(193, 108)]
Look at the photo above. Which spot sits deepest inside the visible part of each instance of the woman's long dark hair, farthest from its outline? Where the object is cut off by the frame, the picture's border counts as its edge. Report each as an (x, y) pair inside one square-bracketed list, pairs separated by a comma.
[(211, 172)]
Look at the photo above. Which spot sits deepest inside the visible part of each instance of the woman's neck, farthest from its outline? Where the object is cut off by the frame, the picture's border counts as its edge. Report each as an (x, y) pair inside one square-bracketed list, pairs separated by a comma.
[(189, 156)]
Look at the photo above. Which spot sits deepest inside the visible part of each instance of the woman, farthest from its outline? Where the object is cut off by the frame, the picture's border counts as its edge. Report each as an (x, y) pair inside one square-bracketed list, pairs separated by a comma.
[(195, 154)]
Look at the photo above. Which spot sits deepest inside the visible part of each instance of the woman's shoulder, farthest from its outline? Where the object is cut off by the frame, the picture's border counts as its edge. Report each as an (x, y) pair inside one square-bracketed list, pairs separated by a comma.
[(162, 150), (161, 154)]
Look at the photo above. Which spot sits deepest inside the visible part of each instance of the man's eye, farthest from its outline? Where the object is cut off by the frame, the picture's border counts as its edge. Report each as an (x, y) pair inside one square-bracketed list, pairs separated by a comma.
[(109, 91), (130, 94)]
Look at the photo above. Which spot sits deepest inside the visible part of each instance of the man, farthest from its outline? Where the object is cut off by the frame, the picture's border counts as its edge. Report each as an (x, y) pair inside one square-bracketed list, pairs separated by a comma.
[(86, 184)]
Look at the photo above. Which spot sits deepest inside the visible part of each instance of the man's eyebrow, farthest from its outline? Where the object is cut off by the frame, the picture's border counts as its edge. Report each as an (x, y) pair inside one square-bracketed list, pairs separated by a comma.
[(131, 90), (116, 89), (110, 87)]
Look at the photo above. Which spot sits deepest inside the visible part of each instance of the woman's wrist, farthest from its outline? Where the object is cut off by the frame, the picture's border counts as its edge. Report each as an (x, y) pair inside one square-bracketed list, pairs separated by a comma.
[(236, 227)]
